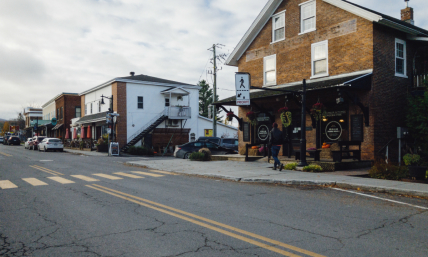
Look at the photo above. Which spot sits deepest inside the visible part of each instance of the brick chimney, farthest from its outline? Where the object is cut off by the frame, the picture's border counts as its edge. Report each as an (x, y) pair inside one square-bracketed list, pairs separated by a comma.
[(407, 14)]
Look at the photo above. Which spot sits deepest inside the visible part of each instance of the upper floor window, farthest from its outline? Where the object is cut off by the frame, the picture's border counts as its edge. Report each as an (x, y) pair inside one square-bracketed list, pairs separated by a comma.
[(308, 16), (278, 27), (62, 113), (400, 58), (269, 70), (57, 114), (86, 110), (319, 63), (78, 112), (99, 106), (140, 102), (91, 108), (167, 102)]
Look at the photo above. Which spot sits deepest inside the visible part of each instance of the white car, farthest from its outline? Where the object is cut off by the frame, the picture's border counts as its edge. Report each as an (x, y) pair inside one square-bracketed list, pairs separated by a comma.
[(28, 143), (51, 144)]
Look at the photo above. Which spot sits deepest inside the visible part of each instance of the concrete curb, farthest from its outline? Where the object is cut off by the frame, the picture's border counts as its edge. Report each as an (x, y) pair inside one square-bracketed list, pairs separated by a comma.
[(296, 182)]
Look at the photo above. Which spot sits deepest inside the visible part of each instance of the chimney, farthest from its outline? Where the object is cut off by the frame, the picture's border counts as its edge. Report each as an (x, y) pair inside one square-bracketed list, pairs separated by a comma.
[(407, 14), (132, 73)]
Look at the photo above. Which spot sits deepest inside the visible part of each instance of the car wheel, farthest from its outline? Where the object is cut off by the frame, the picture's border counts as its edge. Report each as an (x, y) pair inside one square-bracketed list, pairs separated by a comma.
[(186, 155)]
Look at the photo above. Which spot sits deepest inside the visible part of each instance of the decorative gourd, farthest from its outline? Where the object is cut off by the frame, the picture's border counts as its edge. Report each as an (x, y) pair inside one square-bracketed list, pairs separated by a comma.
[(254, 147)]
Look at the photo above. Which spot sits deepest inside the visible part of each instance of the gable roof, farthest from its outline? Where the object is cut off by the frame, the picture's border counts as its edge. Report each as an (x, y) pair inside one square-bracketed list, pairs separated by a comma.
[(175, 91), (348, 6), (153, 79)]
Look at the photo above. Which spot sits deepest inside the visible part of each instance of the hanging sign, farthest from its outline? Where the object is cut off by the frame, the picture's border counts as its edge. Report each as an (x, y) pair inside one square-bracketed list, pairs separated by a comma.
[(333, 130), (263, 132), (54, 121), (242, 85)]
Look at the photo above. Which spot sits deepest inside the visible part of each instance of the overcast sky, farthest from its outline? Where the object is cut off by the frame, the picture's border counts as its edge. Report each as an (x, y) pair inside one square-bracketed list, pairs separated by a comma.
[(48, 47)]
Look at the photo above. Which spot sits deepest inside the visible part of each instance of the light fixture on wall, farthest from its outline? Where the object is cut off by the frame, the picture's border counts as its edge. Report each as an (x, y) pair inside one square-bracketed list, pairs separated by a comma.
[(341, 120), (324, 119)]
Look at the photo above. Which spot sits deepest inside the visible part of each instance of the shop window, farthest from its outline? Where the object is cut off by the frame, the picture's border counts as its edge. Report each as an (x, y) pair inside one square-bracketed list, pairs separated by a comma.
[(400, 58), (307, 16), (278, 27), (320, 59), (140, 102), (269, 69)]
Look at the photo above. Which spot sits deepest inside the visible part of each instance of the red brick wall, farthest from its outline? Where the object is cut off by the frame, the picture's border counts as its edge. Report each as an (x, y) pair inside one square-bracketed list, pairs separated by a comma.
[(119, 106), (68, 103)]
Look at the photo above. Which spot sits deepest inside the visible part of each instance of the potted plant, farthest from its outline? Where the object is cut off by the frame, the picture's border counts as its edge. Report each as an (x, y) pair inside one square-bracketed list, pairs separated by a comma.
[(252, 118), (413, 161), (230, 116), (318, 111), (285, 116)]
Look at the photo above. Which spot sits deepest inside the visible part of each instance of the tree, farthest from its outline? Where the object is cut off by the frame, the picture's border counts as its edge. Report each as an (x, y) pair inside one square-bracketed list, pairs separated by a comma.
[(5, 128), (417, 120), (206, 99)]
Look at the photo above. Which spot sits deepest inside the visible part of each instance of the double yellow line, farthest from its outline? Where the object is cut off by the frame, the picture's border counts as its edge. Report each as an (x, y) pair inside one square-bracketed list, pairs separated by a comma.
[(5, 154), (52, 172), (204, 222)]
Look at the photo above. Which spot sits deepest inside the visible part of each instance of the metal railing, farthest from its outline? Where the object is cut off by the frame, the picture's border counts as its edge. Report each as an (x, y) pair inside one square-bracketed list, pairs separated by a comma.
[(148, 124), (418, 80), (179, 112)]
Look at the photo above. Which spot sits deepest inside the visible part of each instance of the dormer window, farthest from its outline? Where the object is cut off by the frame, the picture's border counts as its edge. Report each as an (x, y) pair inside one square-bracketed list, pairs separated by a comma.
[(278, 27), (307, 16)]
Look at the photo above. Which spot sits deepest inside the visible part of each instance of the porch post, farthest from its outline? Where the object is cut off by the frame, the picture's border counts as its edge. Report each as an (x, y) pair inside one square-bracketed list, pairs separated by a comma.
[(302, 162)]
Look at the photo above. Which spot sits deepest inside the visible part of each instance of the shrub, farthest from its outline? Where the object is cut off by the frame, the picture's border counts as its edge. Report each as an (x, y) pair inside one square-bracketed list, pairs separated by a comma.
[(411, 159), (312, 168), (290, 166), (101, 141), (207, 154), (383, 170), (197, 156)]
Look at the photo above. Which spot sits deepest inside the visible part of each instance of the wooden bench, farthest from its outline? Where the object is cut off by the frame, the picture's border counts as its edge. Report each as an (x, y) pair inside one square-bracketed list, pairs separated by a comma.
[(312, 153), (345, 153)]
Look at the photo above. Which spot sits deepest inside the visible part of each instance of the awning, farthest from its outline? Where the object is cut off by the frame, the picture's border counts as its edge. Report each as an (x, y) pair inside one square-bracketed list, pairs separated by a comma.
[(57, 126), (92, 118), (358, 82)]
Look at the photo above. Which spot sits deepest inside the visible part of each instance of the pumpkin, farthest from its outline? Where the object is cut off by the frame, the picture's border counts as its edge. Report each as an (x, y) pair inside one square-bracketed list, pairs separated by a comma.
[(254, 147)]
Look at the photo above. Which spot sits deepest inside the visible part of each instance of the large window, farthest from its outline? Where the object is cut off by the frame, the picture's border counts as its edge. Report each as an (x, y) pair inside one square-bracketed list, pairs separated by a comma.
[(140, 102), (308, 16), (269, 70), (78, 112), (278, 27), (320, 59), (400, 58)]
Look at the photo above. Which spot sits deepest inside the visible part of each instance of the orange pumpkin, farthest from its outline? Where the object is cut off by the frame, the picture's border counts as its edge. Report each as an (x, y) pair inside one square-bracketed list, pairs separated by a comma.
[(254, 147)]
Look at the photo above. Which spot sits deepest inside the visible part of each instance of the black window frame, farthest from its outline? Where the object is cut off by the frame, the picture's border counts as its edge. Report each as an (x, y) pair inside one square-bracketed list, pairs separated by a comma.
[(140, 103)]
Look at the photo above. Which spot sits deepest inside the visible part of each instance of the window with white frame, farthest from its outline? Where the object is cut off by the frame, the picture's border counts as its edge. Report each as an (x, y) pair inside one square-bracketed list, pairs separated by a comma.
[(308, 16), (319, 63), (278, 27), (269, 70), (400, 58), (140, 102)]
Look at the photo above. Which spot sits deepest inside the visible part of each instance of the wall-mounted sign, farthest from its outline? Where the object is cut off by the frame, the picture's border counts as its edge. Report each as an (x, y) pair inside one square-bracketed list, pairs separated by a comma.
[(208, 132), (333, 130), (263, 132), (242, 85), (335, 114), (246, 132)]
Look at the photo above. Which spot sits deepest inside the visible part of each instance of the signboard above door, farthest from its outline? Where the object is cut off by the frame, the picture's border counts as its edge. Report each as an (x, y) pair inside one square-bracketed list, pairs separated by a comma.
[(242, 85)]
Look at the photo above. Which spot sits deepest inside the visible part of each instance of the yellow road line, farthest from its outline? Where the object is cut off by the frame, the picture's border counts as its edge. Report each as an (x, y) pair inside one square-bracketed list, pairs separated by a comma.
[(61, 180), (52, 172), (85, 178), (34, 182), (6, 184), (217, 223), (163, 172), (147, 174), (245, 239), (5, 154), (127, 175), (107, 176)]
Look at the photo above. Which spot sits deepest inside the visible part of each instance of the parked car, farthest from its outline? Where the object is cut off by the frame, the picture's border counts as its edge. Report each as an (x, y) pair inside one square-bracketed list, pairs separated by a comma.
[(184, 151), (6, 137), (36, 141), (47, 144), (28, 143), (1, 139), (13, 140), (231, 143), (216, 140)]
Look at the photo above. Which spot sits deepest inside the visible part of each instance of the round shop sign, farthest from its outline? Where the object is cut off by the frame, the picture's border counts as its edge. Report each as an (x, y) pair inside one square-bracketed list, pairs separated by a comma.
[(263, 132), (333, 130)]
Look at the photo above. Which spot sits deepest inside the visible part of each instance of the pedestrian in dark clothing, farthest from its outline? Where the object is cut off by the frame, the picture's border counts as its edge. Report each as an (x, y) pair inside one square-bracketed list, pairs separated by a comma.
[(276, 140)]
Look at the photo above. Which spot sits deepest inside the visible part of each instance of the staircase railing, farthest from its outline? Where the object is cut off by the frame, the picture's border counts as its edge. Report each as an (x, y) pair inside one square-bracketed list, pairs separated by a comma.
[(163, 113)]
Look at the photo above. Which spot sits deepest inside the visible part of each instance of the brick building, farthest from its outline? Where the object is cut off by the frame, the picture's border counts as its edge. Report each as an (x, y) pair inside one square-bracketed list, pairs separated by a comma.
[(360, 64)]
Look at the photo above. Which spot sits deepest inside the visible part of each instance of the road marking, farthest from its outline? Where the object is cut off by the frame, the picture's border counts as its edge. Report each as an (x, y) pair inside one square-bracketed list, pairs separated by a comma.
[(127, 175), (107, 176), (46, 161), (52, 172), (147, 174), (276, 243), (85, 178), (163, 172), (5, 154), (6, 184), (375, 197), (34, 182), (61, 180)]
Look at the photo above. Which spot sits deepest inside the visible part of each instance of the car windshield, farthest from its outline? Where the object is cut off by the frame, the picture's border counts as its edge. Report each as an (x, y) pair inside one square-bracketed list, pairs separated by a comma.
[(198, 144), (55, 140)]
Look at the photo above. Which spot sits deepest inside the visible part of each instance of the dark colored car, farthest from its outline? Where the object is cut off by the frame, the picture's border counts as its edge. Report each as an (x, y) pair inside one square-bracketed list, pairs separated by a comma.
[(231, 143), (13, 140), (184, 151), (215, 140), (36, 141)]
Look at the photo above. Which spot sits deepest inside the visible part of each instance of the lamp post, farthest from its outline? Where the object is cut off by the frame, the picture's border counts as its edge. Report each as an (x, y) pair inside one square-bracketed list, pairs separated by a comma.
[(110, 110)]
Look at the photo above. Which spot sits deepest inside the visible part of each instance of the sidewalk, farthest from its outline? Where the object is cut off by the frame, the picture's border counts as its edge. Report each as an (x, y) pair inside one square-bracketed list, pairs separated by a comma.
[(88, 153), (262, 172)]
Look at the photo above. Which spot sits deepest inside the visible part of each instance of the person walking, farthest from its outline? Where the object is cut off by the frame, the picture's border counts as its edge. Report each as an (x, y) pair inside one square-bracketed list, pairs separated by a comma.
[(276, 140)]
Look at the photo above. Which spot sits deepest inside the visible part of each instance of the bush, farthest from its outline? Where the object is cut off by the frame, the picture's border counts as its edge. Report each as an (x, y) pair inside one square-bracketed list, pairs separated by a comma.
[(207, 154), (312, 168), (197, 156), (383, 170), (139, 150), (290, 166)]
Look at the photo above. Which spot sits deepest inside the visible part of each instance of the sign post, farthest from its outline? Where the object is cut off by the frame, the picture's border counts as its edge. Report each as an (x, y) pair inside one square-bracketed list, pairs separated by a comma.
[(242, 85)]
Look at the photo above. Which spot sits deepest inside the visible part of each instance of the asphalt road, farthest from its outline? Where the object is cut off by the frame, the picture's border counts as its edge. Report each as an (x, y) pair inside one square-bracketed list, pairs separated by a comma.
[(48, 209)]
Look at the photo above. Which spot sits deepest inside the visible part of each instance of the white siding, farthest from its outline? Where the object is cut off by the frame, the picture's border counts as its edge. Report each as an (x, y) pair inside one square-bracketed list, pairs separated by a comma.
[(95, 98)]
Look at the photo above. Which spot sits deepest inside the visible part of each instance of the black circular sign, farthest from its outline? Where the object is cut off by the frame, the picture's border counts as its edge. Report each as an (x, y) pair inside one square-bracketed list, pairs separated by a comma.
[(263, 132), (333, 130)]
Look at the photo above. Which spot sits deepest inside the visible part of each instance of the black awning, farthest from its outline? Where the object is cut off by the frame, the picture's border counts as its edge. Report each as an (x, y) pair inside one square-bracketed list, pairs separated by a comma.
[(57, 126), (358, 82)]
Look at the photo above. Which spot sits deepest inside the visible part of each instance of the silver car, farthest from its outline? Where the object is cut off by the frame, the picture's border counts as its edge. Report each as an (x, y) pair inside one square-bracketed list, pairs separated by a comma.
[(50, 144)]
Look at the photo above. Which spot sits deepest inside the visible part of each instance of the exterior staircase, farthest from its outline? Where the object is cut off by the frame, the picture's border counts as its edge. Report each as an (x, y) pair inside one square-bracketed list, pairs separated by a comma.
[(150, 126)]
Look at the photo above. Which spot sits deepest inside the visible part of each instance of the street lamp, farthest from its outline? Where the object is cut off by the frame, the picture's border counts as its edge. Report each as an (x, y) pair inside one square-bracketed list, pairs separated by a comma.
[(110, 110)]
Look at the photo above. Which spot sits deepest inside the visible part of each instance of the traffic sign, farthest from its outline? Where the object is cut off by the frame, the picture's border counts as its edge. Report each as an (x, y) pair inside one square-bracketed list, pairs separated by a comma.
[(242, 85)]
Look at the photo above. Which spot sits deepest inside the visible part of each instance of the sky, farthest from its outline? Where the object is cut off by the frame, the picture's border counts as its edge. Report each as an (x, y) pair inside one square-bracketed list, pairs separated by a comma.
[(49, 47)]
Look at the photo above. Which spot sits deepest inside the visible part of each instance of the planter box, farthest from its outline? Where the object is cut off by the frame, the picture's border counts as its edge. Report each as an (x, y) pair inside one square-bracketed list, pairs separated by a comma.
[(102, 148), (417, 172)]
